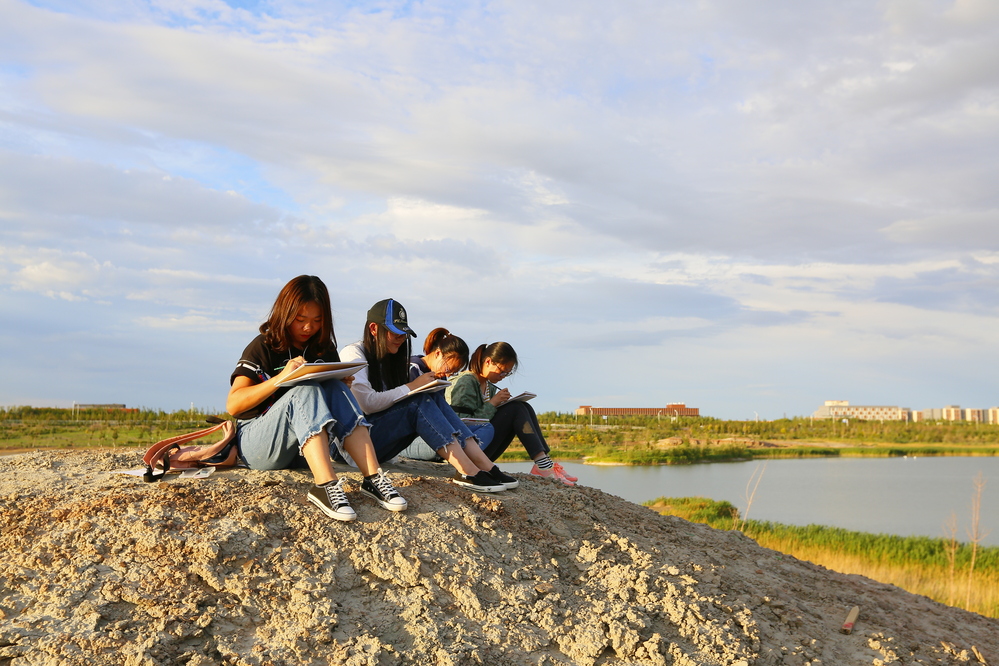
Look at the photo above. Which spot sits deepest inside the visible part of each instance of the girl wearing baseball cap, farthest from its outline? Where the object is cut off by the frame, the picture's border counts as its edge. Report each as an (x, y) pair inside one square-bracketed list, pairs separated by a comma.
[(398, 414)]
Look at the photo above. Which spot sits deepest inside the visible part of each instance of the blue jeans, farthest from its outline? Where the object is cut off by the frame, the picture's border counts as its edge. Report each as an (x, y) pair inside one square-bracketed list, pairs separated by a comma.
[(274, 439), (426, 415), (420, 450)]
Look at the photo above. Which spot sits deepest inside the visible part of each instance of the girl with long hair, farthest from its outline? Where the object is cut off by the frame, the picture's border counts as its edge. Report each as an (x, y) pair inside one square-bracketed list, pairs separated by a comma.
[(383, 390), (278, 426), (444, 355), (474, 394)]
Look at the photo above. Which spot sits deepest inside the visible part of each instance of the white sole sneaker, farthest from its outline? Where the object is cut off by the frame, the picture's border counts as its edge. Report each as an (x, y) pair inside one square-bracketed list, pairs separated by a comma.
[(467, 482)]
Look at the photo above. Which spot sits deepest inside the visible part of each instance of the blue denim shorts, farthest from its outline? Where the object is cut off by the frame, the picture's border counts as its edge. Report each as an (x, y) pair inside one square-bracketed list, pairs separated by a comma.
[(274, 439)]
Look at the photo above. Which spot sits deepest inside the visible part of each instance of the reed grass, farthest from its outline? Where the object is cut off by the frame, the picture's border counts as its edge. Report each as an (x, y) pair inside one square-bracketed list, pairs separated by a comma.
[(920, 565)]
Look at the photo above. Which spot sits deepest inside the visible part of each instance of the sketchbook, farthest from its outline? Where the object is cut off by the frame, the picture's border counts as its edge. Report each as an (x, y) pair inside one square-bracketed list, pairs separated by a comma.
[(317, 371), (523, 397), (436, 385)]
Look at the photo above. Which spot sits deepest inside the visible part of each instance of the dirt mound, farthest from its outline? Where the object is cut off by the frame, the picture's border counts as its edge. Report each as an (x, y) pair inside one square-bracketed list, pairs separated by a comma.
[(100, 568)]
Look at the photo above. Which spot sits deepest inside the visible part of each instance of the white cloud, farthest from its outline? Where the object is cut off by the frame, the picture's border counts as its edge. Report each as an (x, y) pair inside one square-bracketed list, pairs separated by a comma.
[(956, 229), (718, 193), (200, 323), (56, 274)]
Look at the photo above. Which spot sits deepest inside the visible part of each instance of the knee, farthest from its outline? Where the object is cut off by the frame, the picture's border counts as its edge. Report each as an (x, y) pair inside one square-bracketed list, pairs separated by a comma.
[(307, 391)]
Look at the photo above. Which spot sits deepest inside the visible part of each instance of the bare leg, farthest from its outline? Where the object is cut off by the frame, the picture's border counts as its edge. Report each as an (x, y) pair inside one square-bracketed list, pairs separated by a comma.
[(477, 456), (456, 456), (358, 445), (317, 453)]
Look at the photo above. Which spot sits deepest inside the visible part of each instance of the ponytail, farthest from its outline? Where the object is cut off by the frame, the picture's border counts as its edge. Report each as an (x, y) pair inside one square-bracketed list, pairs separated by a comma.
[(448, 344), (475, 363), (497, 352)]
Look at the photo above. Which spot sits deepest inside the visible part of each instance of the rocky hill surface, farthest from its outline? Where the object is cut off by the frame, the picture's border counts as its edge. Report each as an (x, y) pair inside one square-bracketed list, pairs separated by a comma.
[(101, 568)]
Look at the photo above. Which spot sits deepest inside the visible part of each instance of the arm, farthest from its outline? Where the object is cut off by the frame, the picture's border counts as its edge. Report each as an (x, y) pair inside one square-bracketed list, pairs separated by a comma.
[(245, 393), (369, 399), (465, 397)]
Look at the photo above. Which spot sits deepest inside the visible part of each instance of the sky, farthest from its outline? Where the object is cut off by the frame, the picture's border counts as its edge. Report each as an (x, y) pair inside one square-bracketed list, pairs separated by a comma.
[(750, 208)]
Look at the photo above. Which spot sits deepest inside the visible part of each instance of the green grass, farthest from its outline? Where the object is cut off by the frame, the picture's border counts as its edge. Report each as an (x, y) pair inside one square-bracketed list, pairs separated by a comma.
[(918, 564), (27, 427), (625, 441)]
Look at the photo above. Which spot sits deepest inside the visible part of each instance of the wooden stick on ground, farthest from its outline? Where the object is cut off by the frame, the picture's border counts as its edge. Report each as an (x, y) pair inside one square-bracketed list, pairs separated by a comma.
[(851, 617)]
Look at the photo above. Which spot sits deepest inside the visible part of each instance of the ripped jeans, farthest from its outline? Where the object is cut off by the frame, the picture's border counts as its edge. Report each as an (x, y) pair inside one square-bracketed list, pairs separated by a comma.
[(274, 439), (426, 415)]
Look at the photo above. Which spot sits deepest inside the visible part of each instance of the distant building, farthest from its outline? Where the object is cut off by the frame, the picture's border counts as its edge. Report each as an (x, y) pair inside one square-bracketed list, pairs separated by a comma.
[(935, 414), (842, 409), (77, 405), (974, 415), (952, 413), (672, 409)]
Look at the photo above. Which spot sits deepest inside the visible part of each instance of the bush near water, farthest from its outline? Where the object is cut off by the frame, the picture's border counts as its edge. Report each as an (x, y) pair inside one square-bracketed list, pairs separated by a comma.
[(917, 564)]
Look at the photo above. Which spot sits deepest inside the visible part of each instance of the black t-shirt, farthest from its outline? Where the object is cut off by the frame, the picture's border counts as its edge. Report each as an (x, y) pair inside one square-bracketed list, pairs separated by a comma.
[(259, 362)]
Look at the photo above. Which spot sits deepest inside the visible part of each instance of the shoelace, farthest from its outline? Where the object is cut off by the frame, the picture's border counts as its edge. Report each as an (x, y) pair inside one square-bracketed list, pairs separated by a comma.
[(384, 486), (561, 471), (335, 494)]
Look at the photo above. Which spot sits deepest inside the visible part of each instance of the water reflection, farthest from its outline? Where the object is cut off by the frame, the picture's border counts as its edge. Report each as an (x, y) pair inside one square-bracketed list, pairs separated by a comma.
[(905, 496)]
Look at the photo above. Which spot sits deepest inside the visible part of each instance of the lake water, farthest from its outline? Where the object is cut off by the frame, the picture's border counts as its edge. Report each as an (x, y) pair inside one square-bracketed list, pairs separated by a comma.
[(904, 496)]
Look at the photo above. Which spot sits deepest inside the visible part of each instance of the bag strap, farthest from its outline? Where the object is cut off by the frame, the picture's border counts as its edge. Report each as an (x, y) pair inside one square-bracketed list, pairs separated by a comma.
[(158, 455)]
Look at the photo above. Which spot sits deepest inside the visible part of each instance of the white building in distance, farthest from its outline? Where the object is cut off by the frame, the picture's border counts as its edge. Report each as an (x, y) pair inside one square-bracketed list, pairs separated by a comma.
[(842, 409)]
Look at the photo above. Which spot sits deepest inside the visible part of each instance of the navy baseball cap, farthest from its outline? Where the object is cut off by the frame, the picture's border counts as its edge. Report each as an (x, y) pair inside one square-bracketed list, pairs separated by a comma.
[(390, 314)]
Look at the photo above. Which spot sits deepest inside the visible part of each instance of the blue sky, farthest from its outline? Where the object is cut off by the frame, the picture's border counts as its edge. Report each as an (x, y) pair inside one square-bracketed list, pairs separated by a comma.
[(747, 208)]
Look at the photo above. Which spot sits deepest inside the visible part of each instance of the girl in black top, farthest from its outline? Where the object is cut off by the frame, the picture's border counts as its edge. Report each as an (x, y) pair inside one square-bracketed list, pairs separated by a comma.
[(276, 426)]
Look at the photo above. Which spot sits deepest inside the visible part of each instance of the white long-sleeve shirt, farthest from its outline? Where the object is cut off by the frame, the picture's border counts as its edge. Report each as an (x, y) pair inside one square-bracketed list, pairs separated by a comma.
[(370, 400)]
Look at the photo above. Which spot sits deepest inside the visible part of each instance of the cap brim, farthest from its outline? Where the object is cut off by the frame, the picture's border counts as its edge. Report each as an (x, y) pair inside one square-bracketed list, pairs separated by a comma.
[(400, 331)]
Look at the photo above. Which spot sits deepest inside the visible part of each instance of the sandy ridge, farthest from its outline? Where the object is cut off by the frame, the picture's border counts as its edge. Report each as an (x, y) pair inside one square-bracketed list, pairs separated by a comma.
[(100, 568)]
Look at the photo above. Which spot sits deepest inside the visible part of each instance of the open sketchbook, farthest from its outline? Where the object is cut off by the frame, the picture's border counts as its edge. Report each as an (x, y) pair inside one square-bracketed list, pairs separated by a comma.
[(436, 385), (315, 371), (523, 397)]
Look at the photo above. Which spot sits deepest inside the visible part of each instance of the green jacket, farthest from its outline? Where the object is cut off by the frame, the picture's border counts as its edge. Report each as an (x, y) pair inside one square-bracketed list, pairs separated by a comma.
[(465, 397)]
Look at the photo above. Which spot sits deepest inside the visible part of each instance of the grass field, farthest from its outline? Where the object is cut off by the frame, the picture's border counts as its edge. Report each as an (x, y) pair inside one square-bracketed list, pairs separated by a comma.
[(921, 565), (632, 440)]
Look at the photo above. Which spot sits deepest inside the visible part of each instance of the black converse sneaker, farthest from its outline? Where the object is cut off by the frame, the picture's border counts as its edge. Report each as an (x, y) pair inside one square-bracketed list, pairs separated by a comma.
[(379, 488), (332, 501), (482, 482), (509, 483)]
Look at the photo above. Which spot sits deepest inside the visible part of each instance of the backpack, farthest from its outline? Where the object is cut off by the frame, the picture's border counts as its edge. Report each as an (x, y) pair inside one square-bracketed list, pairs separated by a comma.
[(171, 453)]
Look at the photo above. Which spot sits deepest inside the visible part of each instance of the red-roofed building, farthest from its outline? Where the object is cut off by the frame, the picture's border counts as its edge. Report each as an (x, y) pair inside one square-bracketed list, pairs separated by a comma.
[(672, 409)]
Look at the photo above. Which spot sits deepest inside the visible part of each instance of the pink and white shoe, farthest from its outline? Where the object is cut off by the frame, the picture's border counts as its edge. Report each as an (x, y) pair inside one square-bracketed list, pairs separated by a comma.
[(561, 470), (551, 474)]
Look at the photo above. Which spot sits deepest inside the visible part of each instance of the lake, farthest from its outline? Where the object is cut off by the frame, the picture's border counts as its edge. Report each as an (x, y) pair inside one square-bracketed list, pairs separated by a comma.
[(903, 496)]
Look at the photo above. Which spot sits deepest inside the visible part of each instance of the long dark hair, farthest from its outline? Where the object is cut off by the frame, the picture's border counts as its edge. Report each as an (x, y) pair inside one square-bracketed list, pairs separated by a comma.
[(497, 352), (442, 340), (385, 370), (298, 292)]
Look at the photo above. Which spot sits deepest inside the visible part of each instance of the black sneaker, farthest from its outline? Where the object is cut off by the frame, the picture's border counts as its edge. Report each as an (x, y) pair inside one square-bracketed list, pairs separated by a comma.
[(482, 482), (332, 501), (380, 489), (509, 483)]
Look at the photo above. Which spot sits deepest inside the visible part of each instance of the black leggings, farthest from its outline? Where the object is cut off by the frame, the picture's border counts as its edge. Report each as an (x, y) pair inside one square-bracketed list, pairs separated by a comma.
[(516, 418)]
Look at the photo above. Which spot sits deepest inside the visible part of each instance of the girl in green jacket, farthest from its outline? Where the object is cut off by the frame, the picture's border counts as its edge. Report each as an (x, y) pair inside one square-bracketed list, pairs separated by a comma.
[(474, 394)]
